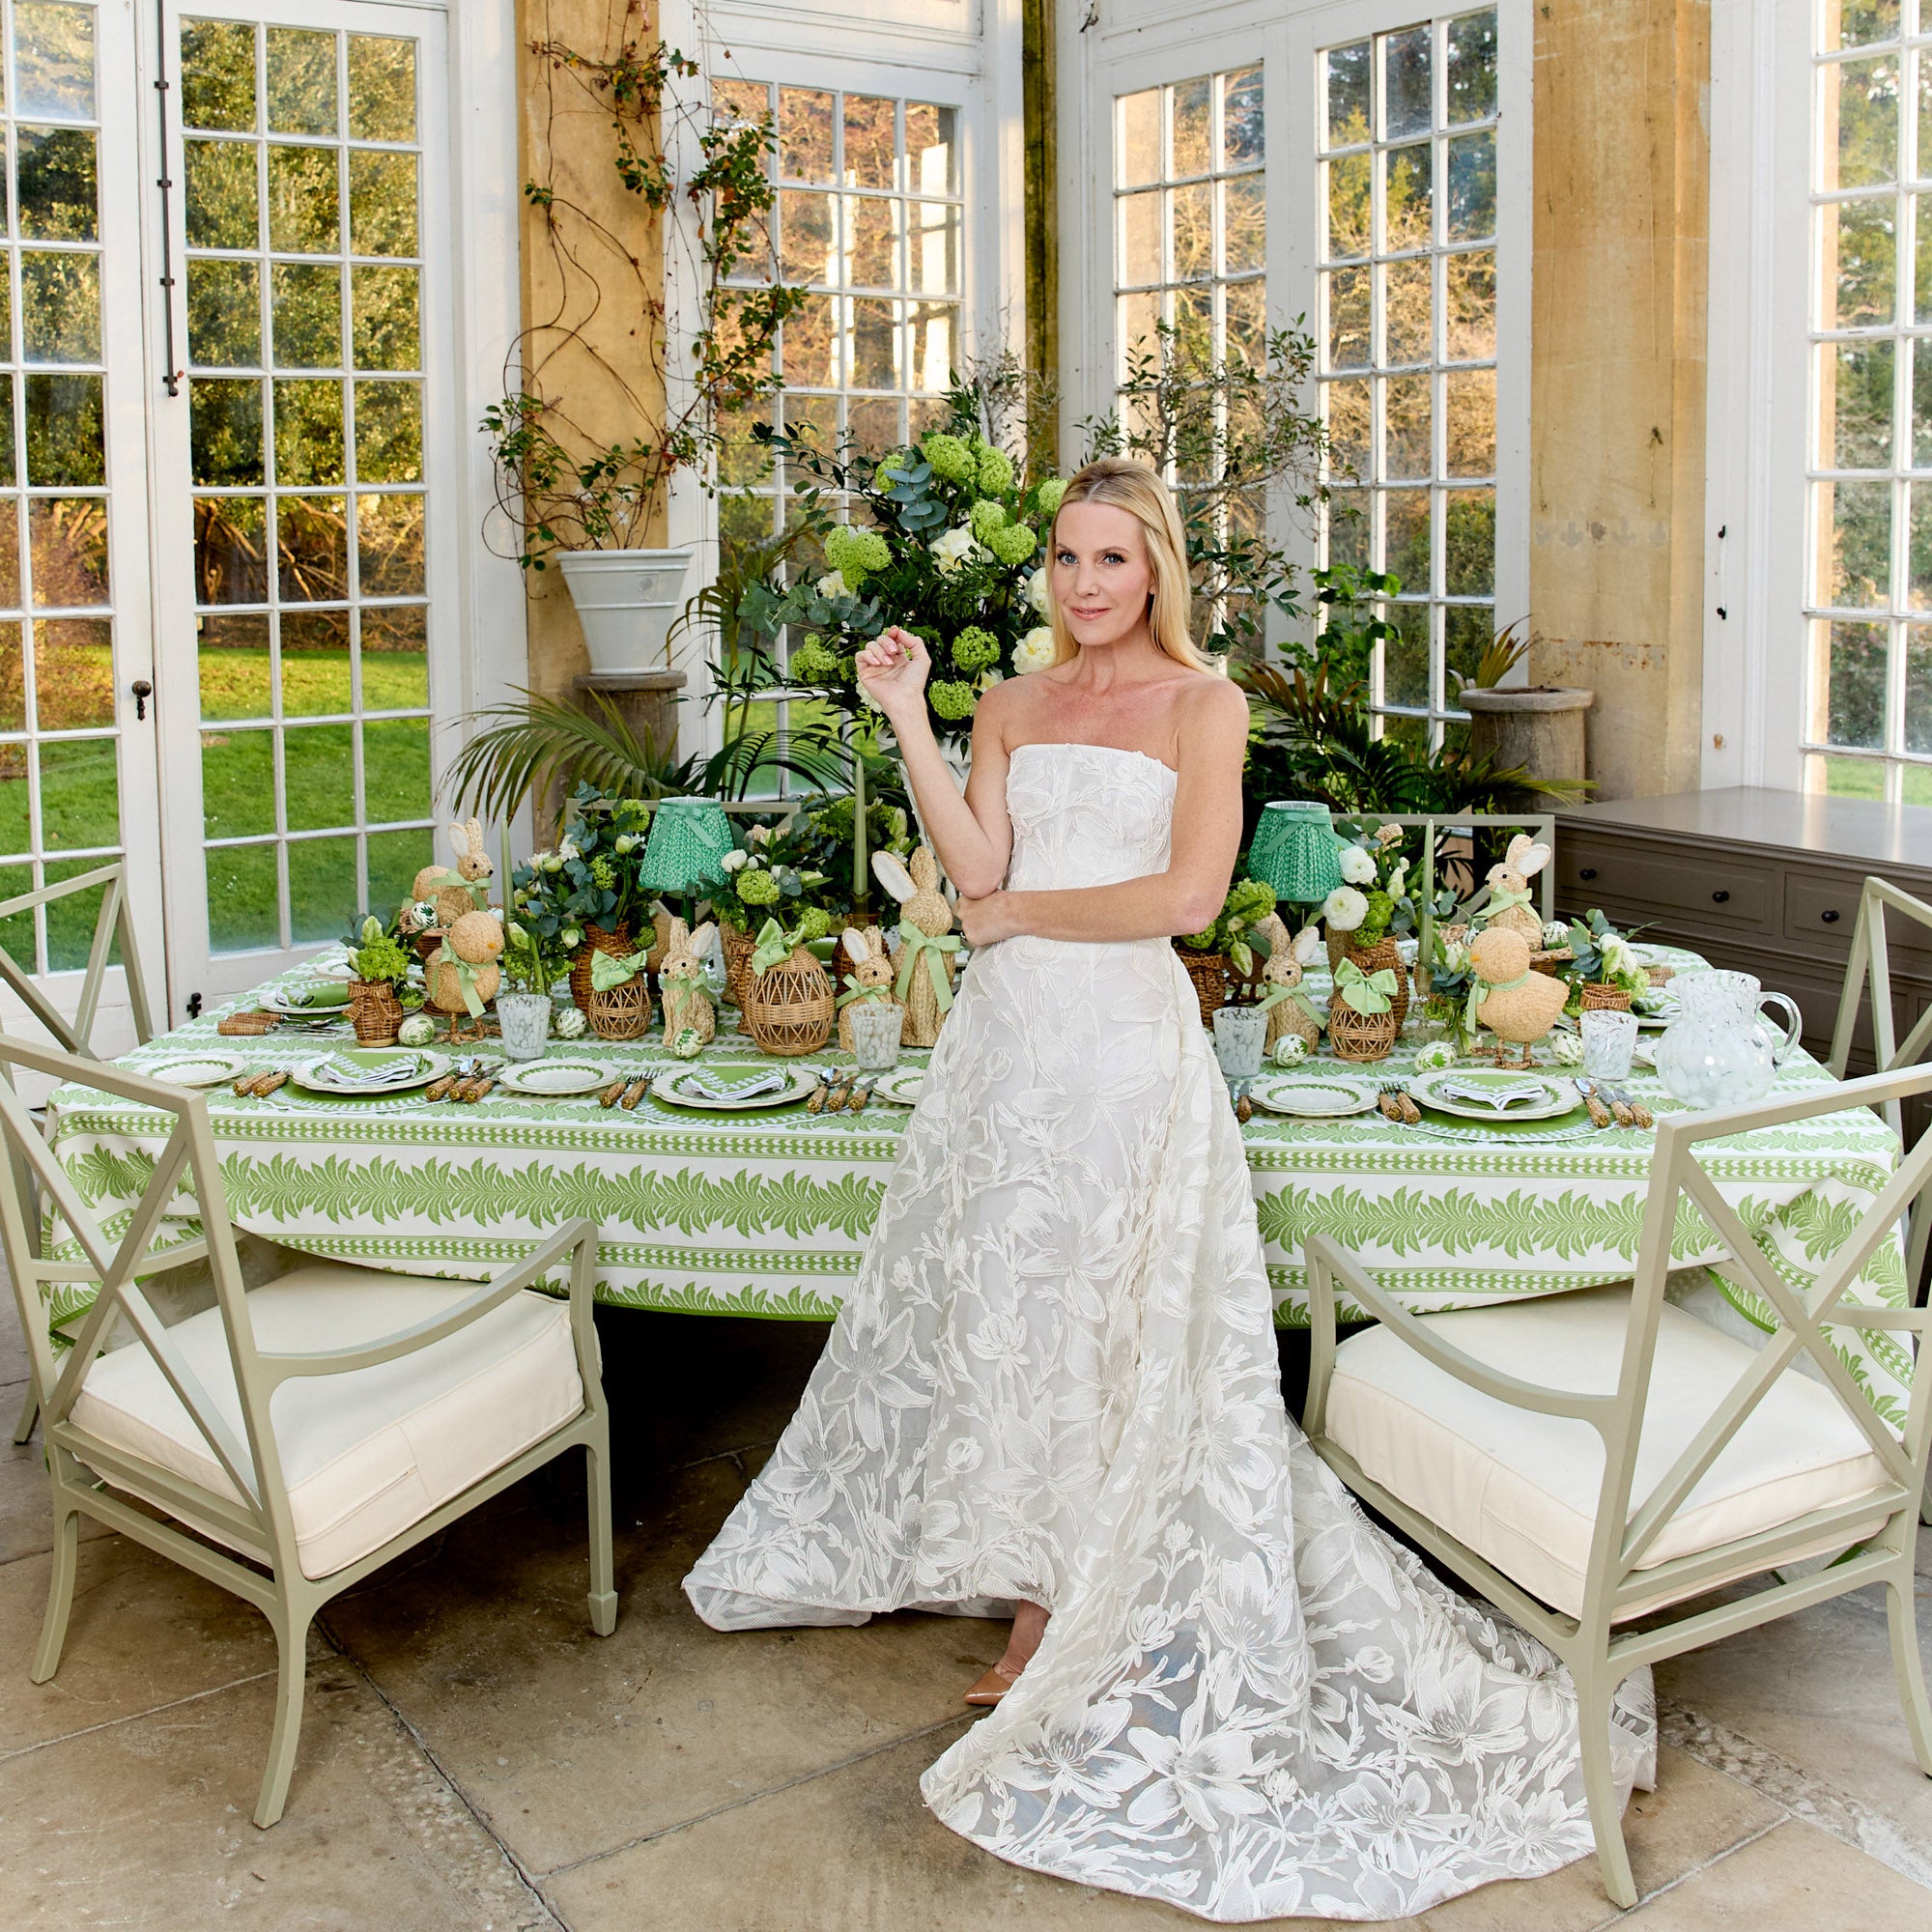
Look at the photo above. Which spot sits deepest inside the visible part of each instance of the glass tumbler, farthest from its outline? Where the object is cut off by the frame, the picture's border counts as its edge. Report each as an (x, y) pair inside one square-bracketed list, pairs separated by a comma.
[(876, 1025), (1239, 1034), (1609, 1040)]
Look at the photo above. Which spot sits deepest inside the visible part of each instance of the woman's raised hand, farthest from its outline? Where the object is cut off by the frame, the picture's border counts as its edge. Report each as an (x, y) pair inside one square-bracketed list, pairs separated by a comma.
[(893, 668)]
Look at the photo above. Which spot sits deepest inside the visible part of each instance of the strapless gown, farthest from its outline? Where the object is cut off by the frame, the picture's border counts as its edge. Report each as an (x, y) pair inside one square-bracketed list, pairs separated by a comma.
[(1056, 1378)]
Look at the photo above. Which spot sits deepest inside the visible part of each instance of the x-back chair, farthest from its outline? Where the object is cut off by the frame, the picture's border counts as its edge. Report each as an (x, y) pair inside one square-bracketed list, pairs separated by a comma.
[(1585, 1460), (112, 922), (305, 1432)]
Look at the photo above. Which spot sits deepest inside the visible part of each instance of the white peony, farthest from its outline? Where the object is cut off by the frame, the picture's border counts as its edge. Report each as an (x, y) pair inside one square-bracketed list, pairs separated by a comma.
[(1288, 1049), (953, 549), (832, 584), (1036, 650), (1040, 592), (1358, 867), (989, 678), (1436, 1056), (1345, 909), (732, 861)]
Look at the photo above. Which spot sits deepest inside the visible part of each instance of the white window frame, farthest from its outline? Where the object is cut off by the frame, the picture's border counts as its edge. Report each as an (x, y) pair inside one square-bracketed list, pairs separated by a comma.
[(1141, 43)]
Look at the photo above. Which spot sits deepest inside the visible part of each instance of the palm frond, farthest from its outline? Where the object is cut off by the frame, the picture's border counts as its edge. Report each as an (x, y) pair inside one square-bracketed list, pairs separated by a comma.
[(525, 748)]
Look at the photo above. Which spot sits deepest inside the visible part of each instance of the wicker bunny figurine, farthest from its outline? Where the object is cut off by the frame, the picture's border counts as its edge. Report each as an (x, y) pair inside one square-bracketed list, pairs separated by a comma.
[(682, 987), (870, 979), (465, 890), (1288, 1008), (925, 947), (1509, 905)]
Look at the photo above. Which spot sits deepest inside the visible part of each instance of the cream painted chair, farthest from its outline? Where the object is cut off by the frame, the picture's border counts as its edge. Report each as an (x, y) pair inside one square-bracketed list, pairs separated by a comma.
[(1584, 1460), (316, 1426)]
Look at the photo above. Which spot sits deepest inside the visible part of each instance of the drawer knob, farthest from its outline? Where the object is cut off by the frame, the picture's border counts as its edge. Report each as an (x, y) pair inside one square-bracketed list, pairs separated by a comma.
[(1830, 915), (1587, 873), (1717, 898)]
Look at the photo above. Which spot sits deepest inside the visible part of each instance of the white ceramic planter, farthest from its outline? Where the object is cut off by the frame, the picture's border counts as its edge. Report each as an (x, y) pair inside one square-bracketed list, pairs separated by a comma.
[(626, 600)]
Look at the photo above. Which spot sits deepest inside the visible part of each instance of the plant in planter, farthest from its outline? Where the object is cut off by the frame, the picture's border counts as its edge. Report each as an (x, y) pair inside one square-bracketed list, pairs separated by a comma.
[(1232, 940), (1449, 976), (1602, 968), (767, 883), (1538, 727), (1369, 906), (531, 964), (381, 964), (584, 895)]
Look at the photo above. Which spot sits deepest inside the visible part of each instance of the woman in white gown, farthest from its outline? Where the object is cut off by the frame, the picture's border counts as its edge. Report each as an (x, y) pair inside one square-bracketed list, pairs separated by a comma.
[(1053, 1392)]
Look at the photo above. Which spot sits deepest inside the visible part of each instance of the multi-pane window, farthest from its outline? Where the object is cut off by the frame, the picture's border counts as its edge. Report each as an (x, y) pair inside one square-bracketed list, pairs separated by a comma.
[(60, 810), (1408, 342), (1867, 718), (300, 169)]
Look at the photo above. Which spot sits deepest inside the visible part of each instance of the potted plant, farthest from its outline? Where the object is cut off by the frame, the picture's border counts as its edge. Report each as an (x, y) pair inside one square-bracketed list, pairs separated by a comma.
[(1602, 968), (1363, 912), (1230, 938), (532, 964), (584, 895), (380, 965), (1537, 728), (768, 883)]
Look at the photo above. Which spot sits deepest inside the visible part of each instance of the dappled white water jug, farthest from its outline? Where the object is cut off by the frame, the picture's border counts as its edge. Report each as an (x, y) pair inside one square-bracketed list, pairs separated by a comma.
[(1720, 1051)]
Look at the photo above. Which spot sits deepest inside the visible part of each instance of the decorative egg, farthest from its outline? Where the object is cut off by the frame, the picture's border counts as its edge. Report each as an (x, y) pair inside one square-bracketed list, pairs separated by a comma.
[(1566, 1049), (569, 1024), (418, 1030), (1436, 1057), (687, 1044), (1289, 1048)]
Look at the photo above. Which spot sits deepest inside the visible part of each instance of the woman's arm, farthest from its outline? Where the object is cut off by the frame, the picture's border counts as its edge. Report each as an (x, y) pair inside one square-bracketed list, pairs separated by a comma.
[(1185, 897), (972, 834)]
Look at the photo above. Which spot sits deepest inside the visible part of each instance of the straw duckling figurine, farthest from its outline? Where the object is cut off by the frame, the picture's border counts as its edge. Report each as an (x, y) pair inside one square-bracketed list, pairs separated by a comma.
[(926, 945), (682, 987), (1288, 1008), (463, 976), (1509, 905), (1516, 1004)]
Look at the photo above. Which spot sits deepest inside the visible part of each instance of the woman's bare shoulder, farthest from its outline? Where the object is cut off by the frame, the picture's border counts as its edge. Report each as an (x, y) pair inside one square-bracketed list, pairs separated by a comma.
[(1209, 700)]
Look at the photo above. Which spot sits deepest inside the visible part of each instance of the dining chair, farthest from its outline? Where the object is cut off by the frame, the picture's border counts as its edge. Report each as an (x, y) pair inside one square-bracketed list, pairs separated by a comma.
[(113, 924), (316, 1426), (1591, 1459)]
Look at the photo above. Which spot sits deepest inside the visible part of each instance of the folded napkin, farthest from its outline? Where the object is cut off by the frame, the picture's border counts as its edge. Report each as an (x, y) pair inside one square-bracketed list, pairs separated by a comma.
[(339, 1071), (1501, 1099), (715, 1088), (317, 993)]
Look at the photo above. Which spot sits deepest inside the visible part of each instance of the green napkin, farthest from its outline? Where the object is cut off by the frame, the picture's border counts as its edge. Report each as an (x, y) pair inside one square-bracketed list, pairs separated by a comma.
[(318, 993)]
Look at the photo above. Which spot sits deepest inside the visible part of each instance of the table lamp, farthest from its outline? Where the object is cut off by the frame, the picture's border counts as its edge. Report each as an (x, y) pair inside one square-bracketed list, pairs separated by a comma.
[(684, 854), (1295, 850)]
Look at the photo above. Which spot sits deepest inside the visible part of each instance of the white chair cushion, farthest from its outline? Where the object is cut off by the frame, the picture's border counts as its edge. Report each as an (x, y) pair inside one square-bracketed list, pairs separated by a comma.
[(367, 1454), (1520, 1488)]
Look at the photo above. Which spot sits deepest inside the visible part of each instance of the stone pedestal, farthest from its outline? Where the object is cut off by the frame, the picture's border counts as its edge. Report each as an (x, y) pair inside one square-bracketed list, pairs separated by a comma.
[(646, 700)]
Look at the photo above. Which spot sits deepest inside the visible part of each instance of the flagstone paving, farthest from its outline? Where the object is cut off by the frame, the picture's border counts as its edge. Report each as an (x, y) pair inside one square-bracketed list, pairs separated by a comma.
[(473, 1758)]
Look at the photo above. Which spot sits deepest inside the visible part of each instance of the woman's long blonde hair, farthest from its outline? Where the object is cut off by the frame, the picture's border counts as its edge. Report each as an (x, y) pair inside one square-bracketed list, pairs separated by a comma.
[(1133, 487)]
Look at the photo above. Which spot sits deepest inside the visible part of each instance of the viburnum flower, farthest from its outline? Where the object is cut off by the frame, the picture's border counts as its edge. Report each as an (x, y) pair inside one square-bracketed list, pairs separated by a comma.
[(855, 554), (758, 888), (996, 468), (975, 648), (950, 457), (1013, 543), (1052, 492), (953, 699)]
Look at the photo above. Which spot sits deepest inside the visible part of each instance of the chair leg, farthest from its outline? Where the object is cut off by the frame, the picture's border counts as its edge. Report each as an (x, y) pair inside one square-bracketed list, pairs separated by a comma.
[(1910, 1672), (60, 1592), (1594, 1695), (603, 1561), (30, 1413), (291, 1679)]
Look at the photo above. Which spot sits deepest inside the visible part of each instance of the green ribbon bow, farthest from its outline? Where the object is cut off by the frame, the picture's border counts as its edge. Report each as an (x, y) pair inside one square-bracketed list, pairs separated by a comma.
[(1276, 994), (686, 985), (1480, 989), (1500, 901), (1365, 992), (465, 978), (612, 968), (477, 889), (774, 943), (855, 991), (915, 941)]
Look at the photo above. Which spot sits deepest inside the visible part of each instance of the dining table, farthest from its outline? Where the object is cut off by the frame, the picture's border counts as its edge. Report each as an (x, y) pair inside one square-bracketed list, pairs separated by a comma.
[(766, 1212)]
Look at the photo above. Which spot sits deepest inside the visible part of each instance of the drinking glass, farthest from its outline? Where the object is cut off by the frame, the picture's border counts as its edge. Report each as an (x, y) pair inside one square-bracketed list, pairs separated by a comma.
[(1239, 1034), (1609, 1040), (875, 1035)]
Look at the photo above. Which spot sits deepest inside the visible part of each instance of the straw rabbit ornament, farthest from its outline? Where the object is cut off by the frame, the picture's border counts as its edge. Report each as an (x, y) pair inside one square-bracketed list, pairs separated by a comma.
[(682, 988), (869, 970), (925, 964), (465, 890), (1288, 1008), (1516, 1004), (1509, 905)]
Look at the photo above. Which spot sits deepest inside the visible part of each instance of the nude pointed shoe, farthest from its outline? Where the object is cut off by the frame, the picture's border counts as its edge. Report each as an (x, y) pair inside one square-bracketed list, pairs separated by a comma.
[(992, 1687)]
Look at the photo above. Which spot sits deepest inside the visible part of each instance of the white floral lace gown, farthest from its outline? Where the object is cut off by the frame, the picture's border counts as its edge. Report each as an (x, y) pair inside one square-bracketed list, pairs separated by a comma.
[(1056, 1378)]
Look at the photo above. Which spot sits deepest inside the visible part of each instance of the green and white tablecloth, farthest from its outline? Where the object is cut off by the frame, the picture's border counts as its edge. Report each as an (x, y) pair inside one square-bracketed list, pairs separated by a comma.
[(767, 1213)]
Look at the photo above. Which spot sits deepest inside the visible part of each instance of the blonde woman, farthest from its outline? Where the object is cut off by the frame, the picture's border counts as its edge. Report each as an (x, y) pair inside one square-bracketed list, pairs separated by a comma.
[(1053, 1392)]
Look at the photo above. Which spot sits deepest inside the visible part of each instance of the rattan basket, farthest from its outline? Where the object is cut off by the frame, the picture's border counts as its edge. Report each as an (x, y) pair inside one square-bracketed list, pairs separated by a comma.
[(620, 1012), (1353, 1036), (595, 940), (1209, 972), (374, 1011), (739, 946), (1606, 999), (789, 1007), (1372, 959)]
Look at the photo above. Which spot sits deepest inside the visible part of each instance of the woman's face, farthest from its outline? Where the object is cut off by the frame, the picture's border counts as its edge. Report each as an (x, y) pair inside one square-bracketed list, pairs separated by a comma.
[(1101, 576)]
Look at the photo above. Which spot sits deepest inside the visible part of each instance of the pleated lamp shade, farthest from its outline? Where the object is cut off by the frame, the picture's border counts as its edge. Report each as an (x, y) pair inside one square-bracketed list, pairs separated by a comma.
[(685, 851), (1295, 850)]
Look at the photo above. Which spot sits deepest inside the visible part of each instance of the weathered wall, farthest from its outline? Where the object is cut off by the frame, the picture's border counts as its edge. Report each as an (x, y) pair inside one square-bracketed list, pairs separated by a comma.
[(584, 277), (1622, 163)]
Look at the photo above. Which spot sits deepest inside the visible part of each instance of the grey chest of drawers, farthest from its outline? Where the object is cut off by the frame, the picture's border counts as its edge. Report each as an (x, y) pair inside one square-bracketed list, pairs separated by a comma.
[(1766, 882)]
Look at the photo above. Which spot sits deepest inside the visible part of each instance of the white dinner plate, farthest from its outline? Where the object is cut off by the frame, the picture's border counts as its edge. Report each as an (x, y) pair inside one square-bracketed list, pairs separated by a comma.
[(901, 1084), (1313, 1096), (195, 1069), (1556, 1095), (557, 1079), (313, 1074), (676, 1089)]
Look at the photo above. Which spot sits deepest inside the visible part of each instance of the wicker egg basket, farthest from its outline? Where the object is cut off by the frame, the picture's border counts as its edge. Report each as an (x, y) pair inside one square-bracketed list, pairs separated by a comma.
[(374, 1011), (1209, 971), (739, 946), (789, 1007), (620, 1012), (596, 940), (1372, 959), (1353, 1036), (1606, 999)]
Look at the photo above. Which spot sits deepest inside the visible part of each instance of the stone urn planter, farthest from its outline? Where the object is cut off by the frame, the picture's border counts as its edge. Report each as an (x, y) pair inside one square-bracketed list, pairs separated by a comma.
[(626, 600), (1537, 726)]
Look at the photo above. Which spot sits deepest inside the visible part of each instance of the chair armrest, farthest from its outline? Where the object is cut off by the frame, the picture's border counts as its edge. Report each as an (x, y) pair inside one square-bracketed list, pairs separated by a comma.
[(577, 1238), (1325, 1259)]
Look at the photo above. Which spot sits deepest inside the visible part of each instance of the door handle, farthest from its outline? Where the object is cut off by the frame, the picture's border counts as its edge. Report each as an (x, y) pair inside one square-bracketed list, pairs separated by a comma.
[(141, 690)]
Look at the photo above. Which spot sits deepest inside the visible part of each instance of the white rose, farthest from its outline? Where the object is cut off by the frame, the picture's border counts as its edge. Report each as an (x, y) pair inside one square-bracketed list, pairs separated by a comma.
[(832, 584), (1039, 594), (568, 849), (1357, 867), (1617, 955), (731, 861), (953, 549), (1036, 650), (1345, 909)]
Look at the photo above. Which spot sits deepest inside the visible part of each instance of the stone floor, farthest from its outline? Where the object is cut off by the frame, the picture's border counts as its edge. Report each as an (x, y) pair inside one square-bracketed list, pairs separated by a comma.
[(473, 1758)]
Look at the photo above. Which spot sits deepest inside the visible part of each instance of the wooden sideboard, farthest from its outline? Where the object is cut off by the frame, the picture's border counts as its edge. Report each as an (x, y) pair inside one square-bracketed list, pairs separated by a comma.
[(1766, 882)]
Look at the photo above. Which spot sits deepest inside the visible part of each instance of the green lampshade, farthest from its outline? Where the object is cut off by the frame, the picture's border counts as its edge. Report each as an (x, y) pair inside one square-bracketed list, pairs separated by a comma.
[(689, 839), (1295, 850)]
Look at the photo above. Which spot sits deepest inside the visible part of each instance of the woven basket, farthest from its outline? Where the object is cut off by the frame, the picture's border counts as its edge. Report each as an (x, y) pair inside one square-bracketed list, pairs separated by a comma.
[(595, 940), (738, 946), (1209, 972), (1606, 999), (1372, 959), (789, 1007), (1353, 1036), (374, 1011), (620, 1012)]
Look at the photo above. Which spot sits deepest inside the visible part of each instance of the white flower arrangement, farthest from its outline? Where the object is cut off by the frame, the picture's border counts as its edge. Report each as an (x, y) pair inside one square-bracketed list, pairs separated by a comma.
[(1436, 1057), (1345, 909), (1358, 867), (1036, 650), (1620, 956), (1289, 1050)]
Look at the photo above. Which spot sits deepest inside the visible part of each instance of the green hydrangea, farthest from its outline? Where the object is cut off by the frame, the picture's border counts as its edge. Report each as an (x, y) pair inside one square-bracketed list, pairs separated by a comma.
[(987, 519), (883, 477), (814, 922), (1200, 941), (1014, 544), (1250, 899), (975, 648), (949, 456), (855, 555), (757, 889), (813, 663), (996, 469), (603, 874), (953, 699), (1051, 494)]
